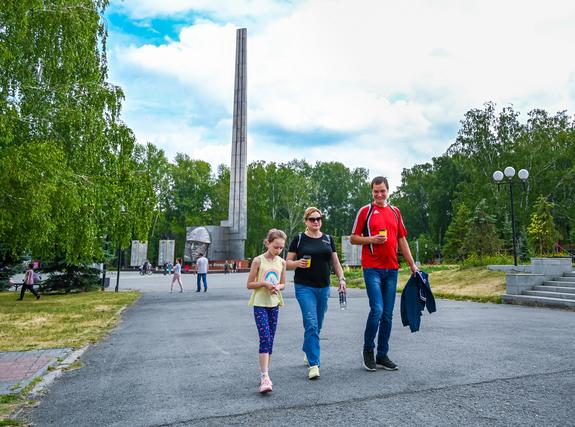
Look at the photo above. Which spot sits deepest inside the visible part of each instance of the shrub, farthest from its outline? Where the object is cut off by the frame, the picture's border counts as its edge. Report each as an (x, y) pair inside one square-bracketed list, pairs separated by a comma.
[(475, 260), (67, 277)]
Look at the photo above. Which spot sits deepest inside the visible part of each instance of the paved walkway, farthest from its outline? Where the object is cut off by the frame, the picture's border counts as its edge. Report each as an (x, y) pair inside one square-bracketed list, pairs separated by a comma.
[(191, 359), (19, 368)]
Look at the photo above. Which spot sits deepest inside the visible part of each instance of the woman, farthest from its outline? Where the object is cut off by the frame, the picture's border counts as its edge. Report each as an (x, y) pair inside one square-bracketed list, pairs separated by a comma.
[(310, 254), (29, 283)]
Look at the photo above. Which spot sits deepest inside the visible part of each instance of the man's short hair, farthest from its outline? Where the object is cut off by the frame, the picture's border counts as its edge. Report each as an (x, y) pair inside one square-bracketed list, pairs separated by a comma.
[(379, 180)]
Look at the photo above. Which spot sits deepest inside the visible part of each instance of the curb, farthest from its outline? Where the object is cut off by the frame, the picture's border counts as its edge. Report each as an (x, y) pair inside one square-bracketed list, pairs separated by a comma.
[(52, 375)]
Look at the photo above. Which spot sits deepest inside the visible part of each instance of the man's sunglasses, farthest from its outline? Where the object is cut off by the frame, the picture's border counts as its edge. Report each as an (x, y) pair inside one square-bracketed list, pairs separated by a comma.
[(315, 218)]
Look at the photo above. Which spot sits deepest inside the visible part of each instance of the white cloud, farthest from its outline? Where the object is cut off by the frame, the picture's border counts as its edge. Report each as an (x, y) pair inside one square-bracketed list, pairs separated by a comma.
[(388, 74)]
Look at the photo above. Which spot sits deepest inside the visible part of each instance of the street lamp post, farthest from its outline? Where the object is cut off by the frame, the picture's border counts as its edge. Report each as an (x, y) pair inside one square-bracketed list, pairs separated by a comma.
[(509, 172), (119, 266), (122, 211)]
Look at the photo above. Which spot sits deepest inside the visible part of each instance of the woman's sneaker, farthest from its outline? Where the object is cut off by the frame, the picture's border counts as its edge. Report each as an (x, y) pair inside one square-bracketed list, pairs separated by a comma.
[(313, 372), (386, 363), (265, 385), (305, 361)]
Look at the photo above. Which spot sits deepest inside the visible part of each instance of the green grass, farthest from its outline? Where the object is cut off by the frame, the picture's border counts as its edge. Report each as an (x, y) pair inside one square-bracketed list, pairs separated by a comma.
[(8, 398), (447, 281), (56, 321), (9, 422)]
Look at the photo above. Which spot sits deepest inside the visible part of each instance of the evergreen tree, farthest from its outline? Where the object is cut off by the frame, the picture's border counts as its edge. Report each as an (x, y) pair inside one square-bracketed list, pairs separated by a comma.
[(456, 234), (482, 238), (541, 231)]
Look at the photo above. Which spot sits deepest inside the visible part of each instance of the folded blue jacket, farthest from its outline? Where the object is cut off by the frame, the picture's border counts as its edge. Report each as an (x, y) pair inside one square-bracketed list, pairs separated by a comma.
[(415, 297)]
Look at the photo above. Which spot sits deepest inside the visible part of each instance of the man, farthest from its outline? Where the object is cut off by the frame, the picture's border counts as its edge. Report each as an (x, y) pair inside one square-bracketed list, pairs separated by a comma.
[(379, 228), (202, 272)]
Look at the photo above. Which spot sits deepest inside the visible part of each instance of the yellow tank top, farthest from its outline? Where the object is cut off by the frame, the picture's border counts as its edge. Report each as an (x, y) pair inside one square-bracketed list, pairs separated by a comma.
[(269, 271)]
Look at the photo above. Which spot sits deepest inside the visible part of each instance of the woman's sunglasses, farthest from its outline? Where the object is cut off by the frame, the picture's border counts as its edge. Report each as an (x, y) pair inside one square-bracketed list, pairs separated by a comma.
[(315, 218)]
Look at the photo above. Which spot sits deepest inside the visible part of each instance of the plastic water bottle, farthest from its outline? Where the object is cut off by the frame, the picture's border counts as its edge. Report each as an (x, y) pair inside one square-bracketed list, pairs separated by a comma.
[(342, 300)]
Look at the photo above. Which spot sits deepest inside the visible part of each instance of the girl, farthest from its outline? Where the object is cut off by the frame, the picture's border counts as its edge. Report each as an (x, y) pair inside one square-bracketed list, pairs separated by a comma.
[(177, 275), (267, 279)]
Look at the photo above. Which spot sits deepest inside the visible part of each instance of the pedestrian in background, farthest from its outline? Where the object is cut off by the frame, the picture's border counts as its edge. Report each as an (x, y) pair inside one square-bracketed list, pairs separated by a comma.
[(202, 272), (311, 254), (29, 283), (267, 279), (177, 275)]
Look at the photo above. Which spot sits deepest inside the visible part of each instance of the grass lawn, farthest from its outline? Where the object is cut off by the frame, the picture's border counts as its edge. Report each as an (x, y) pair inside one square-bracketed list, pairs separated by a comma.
[(56, 321), (448, 281)]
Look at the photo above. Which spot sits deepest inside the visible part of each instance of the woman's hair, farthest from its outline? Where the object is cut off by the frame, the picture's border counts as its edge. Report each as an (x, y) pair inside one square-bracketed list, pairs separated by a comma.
[(31, 265), (309, 211), (273, 234)]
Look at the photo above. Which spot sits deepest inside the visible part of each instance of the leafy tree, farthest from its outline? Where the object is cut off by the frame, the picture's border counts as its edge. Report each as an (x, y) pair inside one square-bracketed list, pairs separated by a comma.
[(69, 174), (192, 197), (336, 191), (293, 188), (541, 231), (220, 195), (487, 141), (423, 248), (279, 194)]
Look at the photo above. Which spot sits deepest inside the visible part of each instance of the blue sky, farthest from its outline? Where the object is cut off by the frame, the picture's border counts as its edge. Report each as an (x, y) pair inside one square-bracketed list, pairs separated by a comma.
[(375, 84)]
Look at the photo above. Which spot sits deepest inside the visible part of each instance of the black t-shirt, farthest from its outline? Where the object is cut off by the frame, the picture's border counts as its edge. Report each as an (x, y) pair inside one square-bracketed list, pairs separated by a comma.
[(320, 250)]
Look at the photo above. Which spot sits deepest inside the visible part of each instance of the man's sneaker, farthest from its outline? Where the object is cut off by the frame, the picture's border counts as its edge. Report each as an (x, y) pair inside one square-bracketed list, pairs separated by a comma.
[(386, 363), (313, 372), (368, 359), (265, 385), (305, 361)]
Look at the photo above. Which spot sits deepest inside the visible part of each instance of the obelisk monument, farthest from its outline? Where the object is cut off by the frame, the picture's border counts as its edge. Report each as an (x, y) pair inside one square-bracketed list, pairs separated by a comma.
[(237, 212)]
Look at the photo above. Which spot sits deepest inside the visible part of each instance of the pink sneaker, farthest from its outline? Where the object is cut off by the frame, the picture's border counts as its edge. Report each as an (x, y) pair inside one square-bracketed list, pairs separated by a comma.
[(265, 385)]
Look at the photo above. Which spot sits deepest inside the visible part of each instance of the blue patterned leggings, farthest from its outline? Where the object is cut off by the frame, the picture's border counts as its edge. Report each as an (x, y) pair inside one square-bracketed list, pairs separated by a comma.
[(266, 322)]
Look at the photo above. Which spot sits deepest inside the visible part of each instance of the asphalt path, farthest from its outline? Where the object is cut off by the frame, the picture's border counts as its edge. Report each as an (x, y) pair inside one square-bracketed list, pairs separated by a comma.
[(191, 359)]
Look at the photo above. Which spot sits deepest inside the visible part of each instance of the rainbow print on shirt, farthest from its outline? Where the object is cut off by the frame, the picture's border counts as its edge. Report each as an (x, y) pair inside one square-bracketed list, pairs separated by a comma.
[(271, 276)]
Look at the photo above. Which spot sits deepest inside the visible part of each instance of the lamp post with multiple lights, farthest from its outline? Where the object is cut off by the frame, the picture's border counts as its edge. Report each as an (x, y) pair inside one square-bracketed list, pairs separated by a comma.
[(509, 173)]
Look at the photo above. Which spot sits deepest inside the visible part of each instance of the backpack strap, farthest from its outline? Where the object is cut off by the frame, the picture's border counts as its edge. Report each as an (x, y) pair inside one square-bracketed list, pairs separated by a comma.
[(397, 218), (298, 240), (366, 231)]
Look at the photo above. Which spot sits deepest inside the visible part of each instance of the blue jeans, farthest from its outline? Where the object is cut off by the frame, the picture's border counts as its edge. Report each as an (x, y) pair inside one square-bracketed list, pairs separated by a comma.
[(381, 285), (313, 304), (202, 276)]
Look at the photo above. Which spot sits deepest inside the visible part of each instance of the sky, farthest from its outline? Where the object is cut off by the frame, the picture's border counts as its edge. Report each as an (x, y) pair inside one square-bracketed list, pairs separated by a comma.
[(377, 84)]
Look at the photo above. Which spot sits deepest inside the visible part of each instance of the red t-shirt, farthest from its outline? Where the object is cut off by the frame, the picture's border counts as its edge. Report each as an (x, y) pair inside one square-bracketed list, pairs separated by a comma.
[(369, 221)]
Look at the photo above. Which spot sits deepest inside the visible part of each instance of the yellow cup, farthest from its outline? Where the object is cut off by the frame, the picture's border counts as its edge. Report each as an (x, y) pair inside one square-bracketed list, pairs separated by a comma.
[(308, 259)]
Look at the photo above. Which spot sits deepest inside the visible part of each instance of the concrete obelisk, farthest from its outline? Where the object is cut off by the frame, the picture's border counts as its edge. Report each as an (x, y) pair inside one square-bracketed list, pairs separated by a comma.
[(238, 213)]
